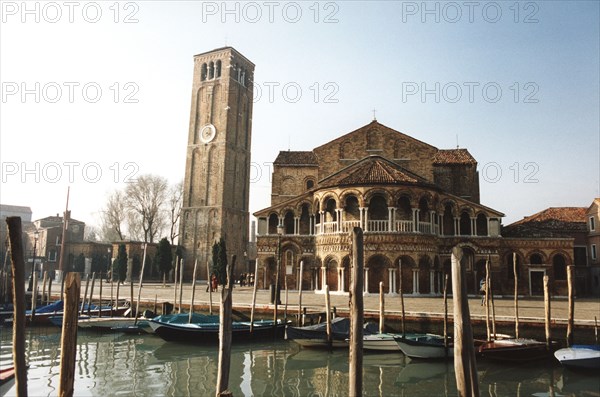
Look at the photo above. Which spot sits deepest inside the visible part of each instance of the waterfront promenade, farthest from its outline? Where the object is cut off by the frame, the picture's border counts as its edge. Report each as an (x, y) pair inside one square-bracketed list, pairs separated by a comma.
[(424, 307)]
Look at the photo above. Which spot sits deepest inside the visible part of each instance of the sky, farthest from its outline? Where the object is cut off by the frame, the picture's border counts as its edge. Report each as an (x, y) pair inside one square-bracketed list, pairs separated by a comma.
[(95, 93)]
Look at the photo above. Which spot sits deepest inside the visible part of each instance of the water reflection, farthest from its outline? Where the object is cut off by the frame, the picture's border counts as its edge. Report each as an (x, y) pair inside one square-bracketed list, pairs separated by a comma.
[(132, 365)]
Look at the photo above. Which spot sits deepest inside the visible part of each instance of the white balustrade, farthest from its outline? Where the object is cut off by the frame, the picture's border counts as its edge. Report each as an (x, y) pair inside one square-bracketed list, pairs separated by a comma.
[(378, 225), (404, 226), (425, 227)]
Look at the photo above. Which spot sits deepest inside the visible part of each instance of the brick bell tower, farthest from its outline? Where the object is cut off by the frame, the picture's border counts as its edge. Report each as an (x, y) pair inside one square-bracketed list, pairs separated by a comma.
[(217, 170)]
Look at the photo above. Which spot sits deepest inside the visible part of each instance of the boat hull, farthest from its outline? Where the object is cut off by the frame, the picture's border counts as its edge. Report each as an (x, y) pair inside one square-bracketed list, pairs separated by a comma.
[(425, 347), (579, 356), (381, 343), (209, 333), (516, 350)]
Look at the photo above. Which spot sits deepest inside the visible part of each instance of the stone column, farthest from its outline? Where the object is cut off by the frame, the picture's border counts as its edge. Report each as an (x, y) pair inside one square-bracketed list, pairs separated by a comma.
[(366, 220), (390, 218), (473, 226), (456, 226), (432, 281), (297, 225), (392, 279), (322, 225), (366, 286), (323, 278), (432, 220), (415, 273), (360, 213), (441, 224), (342, 279), (415, 215), (311, 222)]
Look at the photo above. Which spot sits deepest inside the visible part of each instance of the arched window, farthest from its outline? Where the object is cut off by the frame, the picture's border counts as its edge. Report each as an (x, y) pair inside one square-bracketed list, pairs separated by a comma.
[(218, 69), (211, 70), (351, 209), (309, 184), (535, 259), (288, 222), (560, 267), (482, 225), (273, 222), (203, 72), (465, 224)]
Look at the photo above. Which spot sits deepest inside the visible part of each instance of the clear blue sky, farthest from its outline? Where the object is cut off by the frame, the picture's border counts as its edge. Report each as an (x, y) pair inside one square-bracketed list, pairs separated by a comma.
[(515, 83)]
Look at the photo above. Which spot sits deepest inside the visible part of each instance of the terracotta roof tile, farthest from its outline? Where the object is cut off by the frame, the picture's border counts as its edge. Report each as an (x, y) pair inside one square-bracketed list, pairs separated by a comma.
[(453, 156), (296, 158), (372, 170), (553, 221)]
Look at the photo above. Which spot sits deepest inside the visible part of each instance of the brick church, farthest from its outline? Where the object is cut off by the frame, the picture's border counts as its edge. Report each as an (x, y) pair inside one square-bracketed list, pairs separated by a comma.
[(413, 201)]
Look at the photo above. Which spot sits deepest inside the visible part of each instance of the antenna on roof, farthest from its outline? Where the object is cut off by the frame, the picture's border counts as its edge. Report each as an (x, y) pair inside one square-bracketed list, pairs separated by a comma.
[(457, 141), (289, 143), (374, 117)]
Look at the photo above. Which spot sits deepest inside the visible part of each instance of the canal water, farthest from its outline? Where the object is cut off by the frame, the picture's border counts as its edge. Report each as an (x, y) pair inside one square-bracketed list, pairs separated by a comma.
[(145, 365)]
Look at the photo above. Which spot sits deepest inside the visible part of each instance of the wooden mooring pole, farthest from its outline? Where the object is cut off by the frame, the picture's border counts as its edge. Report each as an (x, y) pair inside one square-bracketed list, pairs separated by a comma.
[(137, 305), (355, 359), (209, 276), (381, 308), (401, 296), (487, 301), (225, 326), (300, 294), (87, 284), (465, 368), (49, 291), (571, 292), (68, 340), (328, 316), (516, 278), (181, 285), (547, 311), (446, 312), (193, 291), (34, 293), (91, 293), (15, 235), (253, 296)]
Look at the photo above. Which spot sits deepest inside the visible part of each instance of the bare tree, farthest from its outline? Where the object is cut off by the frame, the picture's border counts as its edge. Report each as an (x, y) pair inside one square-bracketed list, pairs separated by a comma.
[(145, 198), (175, 201), (114, 216)]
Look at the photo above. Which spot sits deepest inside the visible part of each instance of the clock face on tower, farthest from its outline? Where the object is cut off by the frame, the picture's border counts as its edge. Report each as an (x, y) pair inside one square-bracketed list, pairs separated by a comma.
[(207, 133)]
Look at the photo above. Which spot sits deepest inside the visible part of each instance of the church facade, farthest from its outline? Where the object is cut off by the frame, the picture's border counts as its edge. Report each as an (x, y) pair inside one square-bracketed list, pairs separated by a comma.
[(414, 202)]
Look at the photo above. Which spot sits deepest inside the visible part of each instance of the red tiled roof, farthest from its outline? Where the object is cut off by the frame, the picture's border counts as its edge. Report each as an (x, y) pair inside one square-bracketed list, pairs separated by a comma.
[(551, 222), (561, 214), (296, 158), (453, 156), (372, 170)]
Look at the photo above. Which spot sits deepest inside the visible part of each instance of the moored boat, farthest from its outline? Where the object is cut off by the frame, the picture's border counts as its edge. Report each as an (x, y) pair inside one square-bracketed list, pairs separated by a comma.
[(315, 336), (208, 332), (425, 346), (516, 350), (579, 356), (381, 342)]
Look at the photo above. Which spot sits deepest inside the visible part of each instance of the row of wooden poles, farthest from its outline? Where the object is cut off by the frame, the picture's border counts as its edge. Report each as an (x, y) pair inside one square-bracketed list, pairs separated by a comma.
[(464, 355)]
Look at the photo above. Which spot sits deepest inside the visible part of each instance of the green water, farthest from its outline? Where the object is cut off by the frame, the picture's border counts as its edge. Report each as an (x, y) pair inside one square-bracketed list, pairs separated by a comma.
[(145, 365)]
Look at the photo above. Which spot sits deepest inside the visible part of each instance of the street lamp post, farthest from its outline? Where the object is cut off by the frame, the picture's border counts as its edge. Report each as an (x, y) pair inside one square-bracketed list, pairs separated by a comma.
[(276, 292), (36, 235)]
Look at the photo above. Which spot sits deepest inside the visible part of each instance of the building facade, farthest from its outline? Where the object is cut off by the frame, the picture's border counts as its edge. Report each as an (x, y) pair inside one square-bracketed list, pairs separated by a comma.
[(414, 202), (216, 184)]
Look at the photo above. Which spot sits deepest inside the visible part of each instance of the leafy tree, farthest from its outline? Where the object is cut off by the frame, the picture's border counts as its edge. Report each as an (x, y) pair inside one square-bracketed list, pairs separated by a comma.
[(164, 257), (219, 261), (120, 264), (145, 198)]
